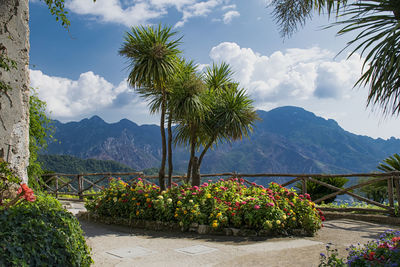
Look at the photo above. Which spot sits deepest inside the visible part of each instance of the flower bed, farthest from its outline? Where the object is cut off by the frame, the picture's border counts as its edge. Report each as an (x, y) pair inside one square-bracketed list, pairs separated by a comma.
[(222, 204), (385, 251)]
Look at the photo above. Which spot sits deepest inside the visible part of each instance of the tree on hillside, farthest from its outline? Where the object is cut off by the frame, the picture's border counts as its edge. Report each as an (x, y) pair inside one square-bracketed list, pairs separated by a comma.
[(377, 24), (152, 54)]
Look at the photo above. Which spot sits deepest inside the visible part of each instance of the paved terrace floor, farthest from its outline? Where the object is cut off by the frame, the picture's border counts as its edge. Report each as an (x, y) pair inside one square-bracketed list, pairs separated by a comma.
[(122, 246)]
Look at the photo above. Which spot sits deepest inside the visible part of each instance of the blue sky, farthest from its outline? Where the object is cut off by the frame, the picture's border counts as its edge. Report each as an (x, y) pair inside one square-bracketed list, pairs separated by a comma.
[(80, 74)]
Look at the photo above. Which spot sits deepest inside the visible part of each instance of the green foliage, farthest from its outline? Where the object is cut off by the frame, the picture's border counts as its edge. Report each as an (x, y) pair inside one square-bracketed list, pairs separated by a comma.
[(70, 164), (40, 131), (317, 191), (290, 14), (331, 258), (41, 233), (229, 203), (378, 191)]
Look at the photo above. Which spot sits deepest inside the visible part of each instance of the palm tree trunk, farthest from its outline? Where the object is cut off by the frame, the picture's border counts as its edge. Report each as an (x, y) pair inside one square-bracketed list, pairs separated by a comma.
[(189, 171), (205, 150), (161, 174), (170, 166), (195, 172)]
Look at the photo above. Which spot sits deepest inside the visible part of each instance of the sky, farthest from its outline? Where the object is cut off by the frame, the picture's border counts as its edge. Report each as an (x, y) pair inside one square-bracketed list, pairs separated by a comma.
[(79, 72)]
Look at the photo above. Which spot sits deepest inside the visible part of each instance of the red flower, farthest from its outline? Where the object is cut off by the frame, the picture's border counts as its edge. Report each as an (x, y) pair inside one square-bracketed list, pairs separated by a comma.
[(27, 193)]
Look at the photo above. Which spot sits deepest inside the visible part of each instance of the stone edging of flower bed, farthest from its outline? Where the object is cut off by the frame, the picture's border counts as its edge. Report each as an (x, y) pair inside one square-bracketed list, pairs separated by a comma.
[(331, 215), (171, 226)]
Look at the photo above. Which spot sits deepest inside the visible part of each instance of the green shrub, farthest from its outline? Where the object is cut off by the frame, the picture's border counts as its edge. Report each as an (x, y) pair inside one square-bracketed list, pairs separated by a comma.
[(221, 204), (317, 191), (41, 233)]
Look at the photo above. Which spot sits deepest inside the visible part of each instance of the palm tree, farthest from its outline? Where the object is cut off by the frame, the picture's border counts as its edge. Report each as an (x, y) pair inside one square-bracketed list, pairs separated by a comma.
[(378, 38), (229, 116), (152, 55), (189, 107)]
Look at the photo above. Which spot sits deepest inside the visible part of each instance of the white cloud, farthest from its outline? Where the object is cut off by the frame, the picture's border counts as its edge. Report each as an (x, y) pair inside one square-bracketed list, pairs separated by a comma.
[(135, 12), (229, 7), (89, 94), (230, 15), (309, 78), (293, 74), (199, 9)]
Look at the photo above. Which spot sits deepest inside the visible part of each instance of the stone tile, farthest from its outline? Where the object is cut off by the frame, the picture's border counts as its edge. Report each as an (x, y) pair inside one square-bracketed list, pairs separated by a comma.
[(196, 250), (131, 252)]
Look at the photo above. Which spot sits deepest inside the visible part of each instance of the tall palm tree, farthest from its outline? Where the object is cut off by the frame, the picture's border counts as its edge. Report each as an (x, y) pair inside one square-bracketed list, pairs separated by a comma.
[(190, 107), (377, 23), (152, 54), (229, 116)]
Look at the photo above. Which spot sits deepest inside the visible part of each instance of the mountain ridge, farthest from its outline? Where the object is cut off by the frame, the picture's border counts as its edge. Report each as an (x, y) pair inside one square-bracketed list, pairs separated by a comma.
[(287, 140)]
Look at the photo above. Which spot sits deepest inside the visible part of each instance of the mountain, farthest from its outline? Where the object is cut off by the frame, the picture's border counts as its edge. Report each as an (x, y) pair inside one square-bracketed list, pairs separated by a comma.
[(70, 164), (285, 140)]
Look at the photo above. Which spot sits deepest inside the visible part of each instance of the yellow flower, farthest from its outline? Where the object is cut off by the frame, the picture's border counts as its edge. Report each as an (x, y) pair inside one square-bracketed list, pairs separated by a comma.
[(284, 217), (115, 199), (278, 222), (208, 195), (148, 200), (169, 200), (137, 213), (268, 223), (160, 197), (294, 218), (177, 209), (185, 212), (146, 195), (176, 215), (191, 201), (134, 198), (193, 211), (215, 224), (179, 203), (219, 214)]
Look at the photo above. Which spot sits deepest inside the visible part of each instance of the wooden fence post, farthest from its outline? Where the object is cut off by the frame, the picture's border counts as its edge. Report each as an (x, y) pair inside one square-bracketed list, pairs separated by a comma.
[(56, 186), (304, 185), (80, 187), (397, 185), (390, 191)]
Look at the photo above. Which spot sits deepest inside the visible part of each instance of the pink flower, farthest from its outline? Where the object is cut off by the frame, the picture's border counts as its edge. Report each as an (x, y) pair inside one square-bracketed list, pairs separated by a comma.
[(195, 187), (205, 184), (270, 204), (256, 207)]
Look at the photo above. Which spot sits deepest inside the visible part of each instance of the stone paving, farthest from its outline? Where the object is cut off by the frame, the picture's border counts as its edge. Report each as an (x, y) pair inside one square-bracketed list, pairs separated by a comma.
[(122, 246)]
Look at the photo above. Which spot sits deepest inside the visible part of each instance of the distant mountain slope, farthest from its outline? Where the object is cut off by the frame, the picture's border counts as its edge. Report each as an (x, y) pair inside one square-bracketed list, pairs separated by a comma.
[(287, 140), (69, 164)]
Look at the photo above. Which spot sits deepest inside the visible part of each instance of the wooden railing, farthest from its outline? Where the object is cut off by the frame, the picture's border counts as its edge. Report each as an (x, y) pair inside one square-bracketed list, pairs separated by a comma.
[(78, 184)]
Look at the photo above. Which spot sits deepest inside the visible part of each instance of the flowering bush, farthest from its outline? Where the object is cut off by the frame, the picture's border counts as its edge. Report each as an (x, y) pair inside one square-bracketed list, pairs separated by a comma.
[(385, 251), (226, 203)]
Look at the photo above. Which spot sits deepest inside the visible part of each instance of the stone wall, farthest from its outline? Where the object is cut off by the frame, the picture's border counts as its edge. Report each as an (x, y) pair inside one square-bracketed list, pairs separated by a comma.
[(14, 104)]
